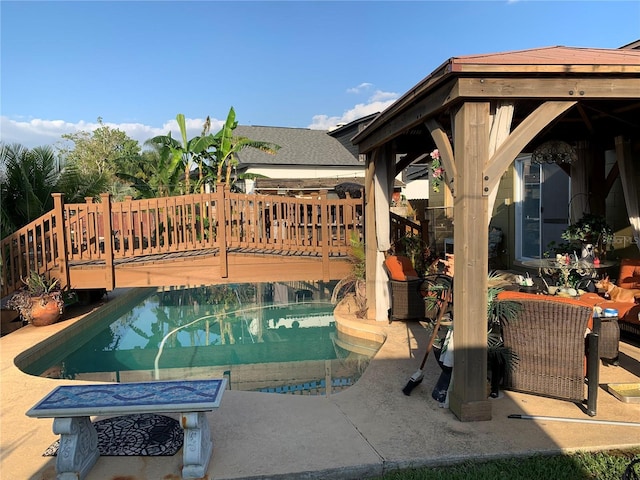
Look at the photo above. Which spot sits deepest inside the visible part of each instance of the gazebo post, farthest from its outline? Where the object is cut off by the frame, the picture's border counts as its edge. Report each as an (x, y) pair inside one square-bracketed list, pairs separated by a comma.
[(468, 398), (370, 241)]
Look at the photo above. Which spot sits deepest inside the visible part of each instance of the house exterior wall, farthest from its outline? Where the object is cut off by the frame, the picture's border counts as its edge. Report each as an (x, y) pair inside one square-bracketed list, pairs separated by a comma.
[(289, 171), (416, 189)]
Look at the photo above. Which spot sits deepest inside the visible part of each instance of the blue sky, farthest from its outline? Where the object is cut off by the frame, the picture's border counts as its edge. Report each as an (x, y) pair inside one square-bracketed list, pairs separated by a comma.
[(292, 63)]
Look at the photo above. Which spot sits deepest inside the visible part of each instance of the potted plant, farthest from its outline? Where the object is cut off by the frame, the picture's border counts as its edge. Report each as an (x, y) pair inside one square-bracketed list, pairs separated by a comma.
[(590, 230), (413, 246), (39, 302), (355, 281)]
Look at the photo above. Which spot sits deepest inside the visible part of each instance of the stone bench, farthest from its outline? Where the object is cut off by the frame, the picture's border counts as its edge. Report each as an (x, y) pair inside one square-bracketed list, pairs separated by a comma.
[(71, 406)]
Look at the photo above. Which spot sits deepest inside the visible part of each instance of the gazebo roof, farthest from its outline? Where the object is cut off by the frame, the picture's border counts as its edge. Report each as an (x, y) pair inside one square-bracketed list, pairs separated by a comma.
[(553, 59), (590, 75)]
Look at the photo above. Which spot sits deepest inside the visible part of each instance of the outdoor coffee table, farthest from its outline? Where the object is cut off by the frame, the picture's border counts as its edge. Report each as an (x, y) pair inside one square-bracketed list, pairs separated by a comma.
[(71, 406)]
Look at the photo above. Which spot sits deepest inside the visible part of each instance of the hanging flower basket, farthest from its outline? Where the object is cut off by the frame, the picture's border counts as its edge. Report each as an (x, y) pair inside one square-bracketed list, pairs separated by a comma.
[(437, 171)]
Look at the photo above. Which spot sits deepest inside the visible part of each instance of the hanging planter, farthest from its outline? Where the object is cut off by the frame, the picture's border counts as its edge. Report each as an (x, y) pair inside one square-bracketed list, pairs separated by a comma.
[(590, 229)]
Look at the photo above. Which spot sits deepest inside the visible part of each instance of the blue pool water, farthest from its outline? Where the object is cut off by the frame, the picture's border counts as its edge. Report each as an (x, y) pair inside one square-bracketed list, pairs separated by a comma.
[(266, 337)]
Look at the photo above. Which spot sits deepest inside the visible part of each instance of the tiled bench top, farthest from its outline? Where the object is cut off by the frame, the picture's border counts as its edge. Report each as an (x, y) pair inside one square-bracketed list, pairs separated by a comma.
[(151, 397)]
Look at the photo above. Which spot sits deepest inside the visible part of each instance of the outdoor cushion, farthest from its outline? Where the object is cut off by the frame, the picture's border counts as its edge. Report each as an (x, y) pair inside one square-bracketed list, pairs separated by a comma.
[(400, 268), (627, 311), (629, 273)]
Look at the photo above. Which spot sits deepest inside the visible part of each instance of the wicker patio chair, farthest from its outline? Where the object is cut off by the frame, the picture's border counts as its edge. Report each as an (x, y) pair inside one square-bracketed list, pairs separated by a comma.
[(406, 300), (408, 290), (550, 340)]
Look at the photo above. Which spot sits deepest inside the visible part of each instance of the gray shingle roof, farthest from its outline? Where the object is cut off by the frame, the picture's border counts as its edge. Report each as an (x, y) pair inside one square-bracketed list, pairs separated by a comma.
[(298, 146)]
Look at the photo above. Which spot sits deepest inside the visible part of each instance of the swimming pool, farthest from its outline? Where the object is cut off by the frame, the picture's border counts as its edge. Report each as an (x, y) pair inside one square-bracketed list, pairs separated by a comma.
[(276, 337)]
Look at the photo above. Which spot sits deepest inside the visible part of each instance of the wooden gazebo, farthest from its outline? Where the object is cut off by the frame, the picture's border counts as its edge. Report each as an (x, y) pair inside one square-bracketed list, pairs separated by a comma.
[(482, 111)]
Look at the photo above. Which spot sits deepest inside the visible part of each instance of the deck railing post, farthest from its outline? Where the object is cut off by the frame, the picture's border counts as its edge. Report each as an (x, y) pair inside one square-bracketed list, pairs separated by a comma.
[(325, 235), (110, 274), (61, 239), (221, 210)]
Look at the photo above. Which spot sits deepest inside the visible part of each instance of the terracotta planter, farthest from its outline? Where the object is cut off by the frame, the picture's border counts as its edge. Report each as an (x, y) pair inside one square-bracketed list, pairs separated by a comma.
[(44, 312)]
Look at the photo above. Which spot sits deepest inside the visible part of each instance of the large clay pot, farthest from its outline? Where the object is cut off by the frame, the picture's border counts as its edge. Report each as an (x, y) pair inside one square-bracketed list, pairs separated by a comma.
[(44, 312)]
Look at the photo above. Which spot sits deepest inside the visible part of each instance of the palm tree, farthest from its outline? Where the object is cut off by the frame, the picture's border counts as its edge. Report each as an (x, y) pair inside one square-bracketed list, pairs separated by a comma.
[(28, 177)]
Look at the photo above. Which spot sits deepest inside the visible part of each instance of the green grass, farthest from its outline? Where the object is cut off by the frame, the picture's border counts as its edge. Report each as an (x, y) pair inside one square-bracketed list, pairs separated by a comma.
[(608, 465)]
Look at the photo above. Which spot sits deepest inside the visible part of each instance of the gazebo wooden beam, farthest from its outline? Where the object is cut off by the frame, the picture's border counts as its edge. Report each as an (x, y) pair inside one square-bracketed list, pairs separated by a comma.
[(565, 87), (409, 118), (521, 136)]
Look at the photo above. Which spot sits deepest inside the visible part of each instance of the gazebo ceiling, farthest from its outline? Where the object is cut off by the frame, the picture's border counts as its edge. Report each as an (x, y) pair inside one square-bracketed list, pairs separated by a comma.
[(605, 83)]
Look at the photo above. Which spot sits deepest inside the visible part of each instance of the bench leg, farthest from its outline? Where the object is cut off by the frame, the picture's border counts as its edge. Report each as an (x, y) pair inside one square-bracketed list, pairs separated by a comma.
[(78, 450), (197, 446)]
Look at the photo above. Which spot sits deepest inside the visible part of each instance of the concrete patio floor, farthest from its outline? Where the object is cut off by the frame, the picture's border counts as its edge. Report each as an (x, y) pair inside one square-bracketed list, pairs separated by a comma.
[(361, 432)]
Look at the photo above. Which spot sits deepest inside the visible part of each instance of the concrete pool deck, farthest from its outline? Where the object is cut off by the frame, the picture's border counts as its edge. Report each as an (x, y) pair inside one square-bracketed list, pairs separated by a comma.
[(363, 431)]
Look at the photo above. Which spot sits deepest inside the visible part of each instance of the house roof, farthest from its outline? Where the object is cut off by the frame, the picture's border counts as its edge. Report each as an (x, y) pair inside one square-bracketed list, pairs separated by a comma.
[(298, 146)]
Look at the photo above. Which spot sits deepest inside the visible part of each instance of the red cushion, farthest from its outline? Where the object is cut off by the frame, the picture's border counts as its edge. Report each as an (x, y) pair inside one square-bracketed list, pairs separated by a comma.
[(400, 268)]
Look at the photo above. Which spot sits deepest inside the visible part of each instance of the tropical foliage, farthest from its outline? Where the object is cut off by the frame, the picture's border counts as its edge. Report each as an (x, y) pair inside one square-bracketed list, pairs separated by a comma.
[(99, 155), (28, 177), (228, 146), (185, 153), (107, 160), (355, 281), (592, 229), (213, 157)]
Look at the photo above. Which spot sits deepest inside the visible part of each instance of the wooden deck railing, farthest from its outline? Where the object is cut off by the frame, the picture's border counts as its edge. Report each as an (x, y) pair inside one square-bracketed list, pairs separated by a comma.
[(402, 227), (108, 232)]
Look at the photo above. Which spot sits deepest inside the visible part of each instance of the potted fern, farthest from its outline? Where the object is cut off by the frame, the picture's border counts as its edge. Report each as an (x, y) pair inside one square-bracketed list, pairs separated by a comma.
[(39, 302)]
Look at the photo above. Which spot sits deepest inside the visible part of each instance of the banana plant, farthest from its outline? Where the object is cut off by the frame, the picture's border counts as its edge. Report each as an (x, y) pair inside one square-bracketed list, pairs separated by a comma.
[(227, 146), (186, 153)]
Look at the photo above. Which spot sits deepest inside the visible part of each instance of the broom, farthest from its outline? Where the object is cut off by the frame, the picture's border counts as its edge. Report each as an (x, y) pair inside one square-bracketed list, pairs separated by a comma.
[(417, 377)]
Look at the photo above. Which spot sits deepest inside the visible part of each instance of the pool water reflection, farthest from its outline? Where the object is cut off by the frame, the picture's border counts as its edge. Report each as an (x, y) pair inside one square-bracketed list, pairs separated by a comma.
[(278, 337)]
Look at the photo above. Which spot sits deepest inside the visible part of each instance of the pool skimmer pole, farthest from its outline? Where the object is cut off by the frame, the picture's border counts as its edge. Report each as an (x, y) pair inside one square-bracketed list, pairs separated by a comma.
[(576, 420)]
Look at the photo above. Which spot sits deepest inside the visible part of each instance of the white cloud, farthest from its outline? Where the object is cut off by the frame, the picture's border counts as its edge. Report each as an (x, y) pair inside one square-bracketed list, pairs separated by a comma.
[(36, 132), (377, 103), (380, 96), (360, 88)]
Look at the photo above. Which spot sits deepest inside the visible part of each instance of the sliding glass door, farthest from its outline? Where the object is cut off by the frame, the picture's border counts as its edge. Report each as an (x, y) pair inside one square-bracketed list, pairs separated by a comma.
[(542, 207)]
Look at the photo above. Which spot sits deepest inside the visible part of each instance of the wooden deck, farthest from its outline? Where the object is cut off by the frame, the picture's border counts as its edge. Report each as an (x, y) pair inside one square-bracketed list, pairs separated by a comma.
[(191, 240)]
